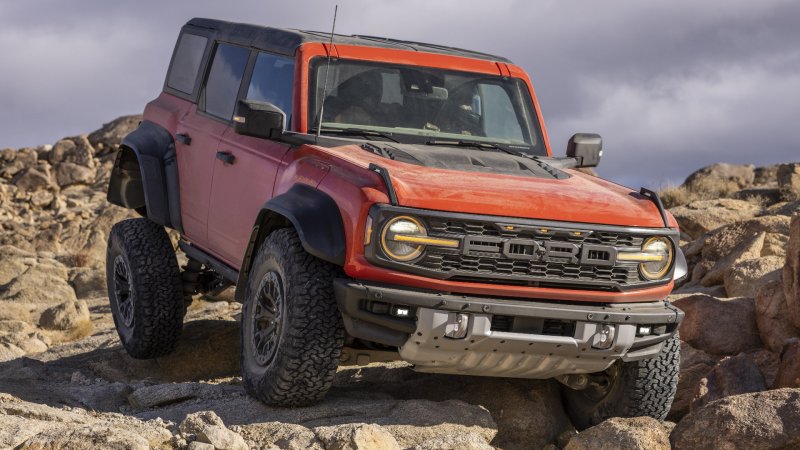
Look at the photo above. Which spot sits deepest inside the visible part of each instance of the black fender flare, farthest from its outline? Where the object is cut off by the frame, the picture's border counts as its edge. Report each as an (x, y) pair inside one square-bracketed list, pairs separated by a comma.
[(315, 216), (154, 149)]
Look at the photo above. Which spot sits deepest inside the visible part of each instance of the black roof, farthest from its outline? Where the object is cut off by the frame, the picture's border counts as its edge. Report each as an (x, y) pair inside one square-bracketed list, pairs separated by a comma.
[(286, 41)]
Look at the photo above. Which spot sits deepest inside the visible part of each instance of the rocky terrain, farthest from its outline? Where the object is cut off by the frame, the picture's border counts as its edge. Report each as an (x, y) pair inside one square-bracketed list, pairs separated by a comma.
[(65, 382)]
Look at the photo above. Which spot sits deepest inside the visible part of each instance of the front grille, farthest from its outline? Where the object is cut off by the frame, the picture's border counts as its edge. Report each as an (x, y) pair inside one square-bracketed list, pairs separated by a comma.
[(516, 265)]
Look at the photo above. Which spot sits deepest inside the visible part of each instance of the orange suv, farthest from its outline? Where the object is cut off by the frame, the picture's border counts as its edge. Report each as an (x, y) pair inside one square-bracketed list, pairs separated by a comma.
[(375, 199)]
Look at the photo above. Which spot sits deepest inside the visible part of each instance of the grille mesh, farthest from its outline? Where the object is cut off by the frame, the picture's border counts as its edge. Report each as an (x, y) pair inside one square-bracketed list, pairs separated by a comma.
[(501, 269)]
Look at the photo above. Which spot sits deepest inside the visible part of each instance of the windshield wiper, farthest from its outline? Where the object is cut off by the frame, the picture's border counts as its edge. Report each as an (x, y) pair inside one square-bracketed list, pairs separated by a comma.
[(356, 132), (478, 145)]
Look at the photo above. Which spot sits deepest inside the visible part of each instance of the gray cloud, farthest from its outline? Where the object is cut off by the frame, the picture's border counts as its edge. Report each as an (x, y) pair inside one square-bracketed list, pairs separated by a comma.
[(671, 85)]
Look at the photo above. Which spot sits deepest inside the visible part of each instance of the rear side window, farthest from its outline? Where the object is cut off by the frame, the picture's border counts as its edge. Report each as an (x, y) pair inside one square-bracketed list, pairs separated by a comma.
[(273, 82), (186, 63), (224, 79)]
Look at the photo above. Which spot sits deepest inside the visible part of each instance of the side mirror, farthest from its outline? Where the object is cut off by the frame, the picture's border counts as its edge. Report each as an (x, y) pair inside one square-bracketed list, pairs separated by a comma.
[(259, 119), (586, 148)]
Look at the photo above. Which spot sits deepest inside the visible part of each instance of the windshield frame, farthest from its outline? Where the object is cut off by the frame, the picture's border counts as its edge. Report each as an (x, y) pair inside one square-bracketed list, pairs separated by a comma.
[(534, 125)]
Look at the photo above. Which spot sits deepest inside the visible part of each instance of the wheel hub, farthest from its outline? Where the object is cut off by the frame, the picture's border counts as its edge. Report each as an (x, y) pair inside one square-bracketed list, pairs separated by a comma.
[(123, 291), (266, 318)]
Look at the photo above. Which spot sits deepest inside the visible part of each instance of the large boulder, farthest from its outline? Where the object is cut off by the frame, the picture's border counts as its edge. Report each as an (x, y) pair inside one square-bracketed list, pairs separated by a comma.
[(111, 134), (69, 173), (772, 316), (789, 181), (732, 376), (33, 179), (721, 179), (717, 251), (789, 371), (791, 272), (67, 316), (719, 326), (702, 216), (695, 365), (762, 420), (745, 278), (356, 436), (637, 433)]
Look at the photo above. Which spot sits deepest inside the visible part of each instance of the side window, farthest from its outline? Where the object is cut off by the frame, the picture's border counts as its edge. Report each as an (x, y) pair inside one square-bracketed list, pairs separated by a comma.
[(273, 82), (186, 62), (224, 78)]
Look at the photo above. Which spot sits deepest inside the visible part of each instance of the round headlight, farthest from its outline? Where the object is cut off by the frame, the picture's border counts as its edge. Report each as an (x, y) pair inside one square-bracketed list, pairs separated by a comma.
[(660, 252), (391, 238)]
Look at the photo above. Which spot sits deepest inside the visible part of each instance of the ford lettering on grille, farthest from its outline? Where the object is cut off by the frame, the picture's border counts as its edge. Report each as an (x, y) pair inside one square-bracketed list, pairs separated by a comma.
[(545, 251)]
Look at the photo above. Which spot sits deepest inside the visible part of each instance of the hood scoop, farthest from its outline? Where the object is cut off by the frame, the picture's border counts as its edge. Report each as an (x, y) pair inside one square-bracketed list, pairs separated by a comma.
[(466, 159)]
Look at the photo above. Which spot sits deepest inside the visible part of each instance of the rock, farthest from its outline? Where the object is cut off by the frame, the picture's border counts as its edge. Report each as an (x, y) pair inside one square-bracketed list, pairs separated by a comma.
[(70, 315), (745, 278), (766, 175), (748, 249), (759, 196), (715, 252), (782, 209), (695, 365), (719, 326), (68, 174), (732, 376), (721, 179), (762, 420), (42, 281), (221, 438), (789, 181), (33, 179), (85, 437), (642, 433), (356, 436), (111, 134), (60, 149), (286, 436), (791, 272), (195, 422), (775, 245), (768, 363), (88, 282), (82, 154), (166, 394), (772, 316), (197, 445), (789, 371), (468, 441), (702, 216)]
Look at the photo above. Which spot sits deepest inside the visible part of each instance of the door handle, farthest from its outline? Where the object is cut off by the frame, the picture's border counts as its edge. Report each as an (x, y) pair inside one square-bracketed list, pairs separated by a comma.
[(184, 138), (226, 157)]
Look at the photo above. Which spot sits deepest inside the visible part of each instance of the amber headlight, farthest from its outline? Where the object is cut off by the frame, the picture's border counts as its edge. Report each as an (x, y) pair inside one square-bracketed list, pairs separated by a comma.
[(404, 238), (655, 258)]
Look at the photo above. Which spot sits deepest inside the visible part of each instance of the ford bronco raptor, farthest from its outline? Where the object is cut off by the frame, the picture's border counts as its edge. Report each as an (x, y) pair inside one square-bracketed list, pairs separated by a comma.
[(374, 199)]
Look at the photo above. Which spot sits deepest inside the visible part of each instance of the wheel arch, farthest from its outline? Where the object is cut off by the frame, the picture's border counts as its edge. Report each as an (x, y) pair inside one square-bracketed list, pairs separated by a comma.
[(145, 175), (312, 213)]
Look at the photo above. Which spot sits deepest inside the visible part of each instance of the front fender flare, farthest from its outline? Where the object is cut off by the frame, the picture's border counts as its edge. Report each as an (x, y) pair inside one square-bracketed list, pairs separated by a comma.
[(315, 216)]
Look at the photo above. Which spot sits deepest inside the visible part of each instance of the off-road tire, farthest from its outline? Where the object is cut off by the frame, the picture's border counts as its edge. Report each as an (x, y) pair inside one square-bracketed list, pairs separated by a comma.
[(150, 325), (640, 388), (310, 334)]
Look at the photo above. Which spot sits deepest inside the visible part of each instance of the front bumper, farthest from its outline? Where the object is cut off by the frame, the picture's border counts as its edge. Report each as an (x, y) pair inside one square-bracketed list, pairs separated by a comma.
[(504, 337)]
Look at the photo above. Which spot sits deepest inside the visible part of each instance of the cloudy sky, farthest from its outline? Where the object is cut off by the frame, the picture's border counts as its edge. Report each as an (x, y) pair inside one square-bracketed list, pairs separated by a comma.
[(670, 85)]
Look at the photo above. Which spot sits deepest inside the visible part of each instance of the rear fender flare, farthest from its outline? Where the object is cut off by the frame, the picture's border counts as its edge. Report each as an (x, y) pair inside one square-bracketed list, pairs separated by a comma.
[(157, 182)]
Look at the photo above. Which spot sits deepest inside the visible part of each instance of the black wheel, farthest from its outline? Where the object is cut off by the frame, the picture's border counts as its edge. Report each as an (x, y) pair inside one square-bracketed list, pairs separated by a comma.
[(144, 288), (291, 333), (633, 389)]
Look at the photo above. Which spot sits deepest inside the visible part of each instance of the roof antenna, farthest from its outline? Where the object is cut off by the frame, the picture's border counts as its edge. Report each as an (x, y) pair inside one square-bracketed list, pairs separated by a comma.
[(327, 70)]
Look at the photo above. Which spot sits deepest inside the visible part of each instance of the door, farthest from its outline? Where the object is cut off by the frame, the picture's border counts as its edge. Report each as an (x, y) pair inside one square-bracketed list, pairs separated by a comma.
[(199, 133), (244, 173)]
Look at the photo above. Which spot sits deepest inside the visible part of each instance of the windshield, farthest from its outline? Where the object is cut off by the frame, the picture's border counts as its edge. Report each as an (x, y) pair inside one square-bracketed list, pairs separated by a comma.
[(419, 104)]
